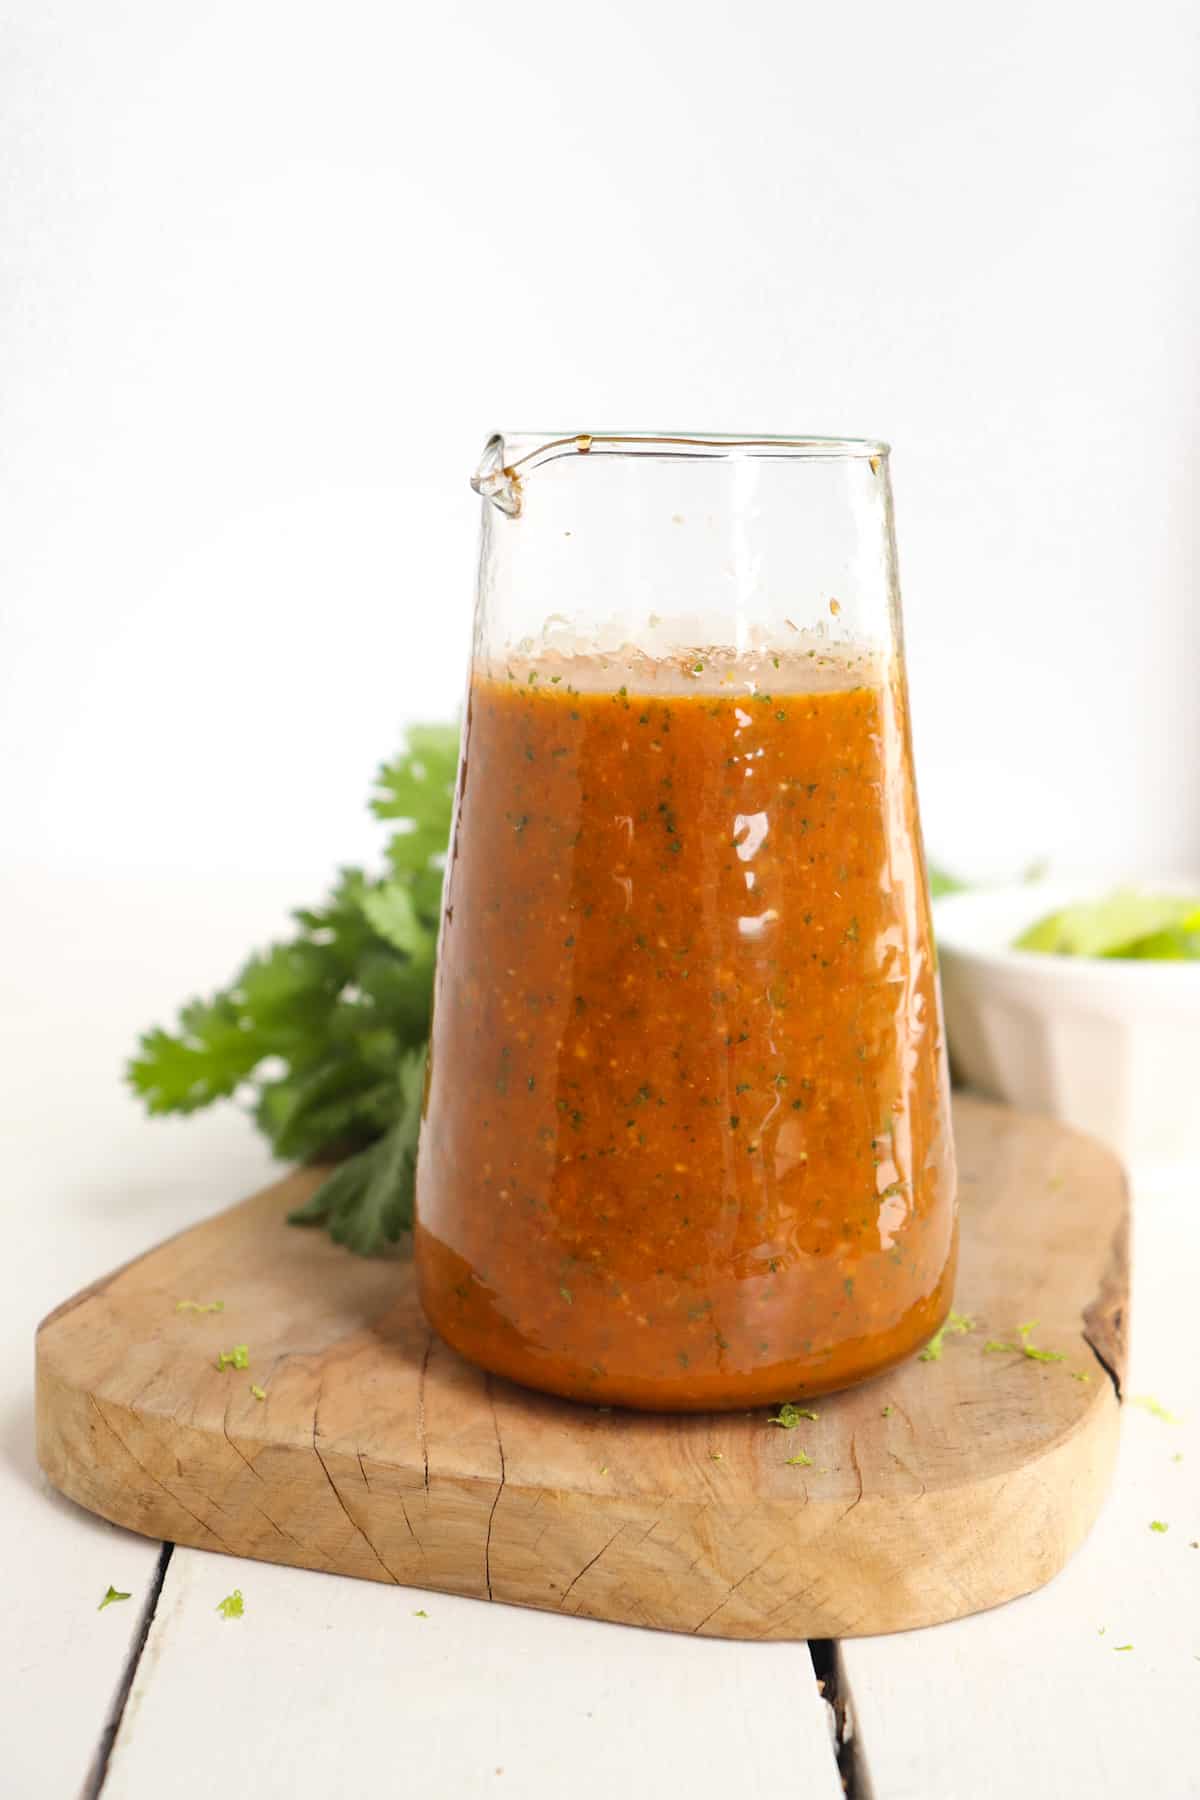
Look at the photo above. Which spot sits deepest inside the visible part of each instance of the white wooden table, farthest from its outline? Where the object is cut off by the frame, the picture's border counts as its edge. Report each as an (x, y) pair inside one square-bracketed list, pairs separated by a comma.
[(328, 1687)]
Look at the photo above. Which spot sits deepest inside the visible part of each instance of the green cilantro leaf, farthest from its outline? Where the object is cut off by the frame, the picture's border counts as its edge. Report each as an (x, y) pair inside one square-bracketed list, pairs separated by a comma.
[(366, 1202)]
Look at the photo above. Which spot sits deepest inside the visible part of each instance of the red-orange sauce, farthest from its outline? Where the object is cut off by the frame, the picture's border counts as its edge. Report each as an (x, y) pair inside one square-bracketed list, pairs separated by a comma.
[(686, 1142)]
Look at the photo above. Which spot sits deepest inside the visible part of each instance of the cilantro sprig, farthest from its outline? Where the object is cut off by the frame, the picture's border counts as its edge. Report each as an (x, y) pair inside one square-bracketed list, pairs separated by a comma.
[(326, 1033)]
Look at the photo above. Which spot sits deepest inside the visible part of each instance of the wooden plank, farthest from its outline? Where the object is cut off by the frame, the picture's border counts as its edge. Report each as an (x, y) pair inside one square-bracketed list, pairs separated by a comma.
[(1039, 1699), (937, 1490), (336, 1688), (86, 1184)]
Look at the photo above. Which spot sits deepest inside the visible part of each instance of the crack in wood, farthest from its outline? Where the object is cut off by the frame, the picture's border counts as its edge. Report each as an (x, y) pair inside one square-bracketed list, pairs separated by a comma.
[(590, 1564), (97, 1775), (901, 1464), (857, 1467), (421, 1408), (487, 1548), (232, 1445), (727, 1597), (150, 1476), (336, 1491), (276, 1526)]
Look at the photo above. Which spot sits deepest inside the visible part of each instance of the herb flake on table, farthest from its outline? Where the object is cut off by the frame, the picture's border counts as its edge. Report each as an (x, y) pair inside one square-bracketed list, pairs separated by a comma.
[(1149, 1404), (1158, 1525), (232, 1606), (112, 1595)]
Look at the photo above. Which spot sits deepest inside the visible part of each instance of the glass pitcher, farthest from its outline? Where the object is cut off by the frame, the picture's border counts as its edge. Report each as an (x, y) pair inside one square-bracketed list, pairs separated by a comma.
[(686, 1142)]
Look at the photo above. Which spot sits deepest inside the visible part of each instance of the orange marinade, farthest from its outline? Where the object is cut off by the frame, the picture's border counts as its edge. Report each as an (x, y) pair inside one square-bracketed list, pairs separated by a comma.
[(686, 1142)]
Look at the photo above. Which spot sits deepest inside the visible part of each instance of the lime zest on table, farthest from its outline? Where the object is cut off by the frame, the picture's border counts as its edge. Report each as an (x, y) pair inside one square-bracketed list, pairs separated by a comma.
[(232, 1606), (1149, 1404), (957, 1323), (112, 1594), (1158, 1525)]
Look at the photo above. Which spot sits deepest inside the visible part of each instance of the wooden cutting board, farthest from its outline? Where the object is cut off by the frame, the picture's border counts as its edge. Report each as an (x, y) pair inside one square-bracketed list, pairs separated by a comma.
[(937, 1490)]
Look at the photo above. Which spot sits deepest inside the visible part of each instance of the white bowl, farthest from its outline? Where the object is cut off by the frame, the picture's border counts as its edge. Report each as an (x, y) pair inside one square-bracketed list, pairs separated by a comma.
[(1109, 1046)]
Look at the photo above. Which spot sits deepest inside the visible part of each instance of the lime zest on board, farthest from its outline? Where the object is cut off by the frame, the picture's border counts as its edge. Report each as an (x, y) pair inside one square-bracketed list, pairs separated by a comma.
[(801, 1460), (237, 1358), (232, 1606), (957, 1323), (259, 1393), (200, 1306), (112, 1594), (887, 1412), (789, 1416), (1024, 1347)]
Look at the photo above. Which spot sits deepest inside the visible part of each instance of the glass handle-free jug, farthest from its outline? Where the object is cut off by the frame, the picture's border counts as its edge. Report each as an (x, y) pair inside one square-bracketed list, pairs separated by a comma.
[(687, 1139)]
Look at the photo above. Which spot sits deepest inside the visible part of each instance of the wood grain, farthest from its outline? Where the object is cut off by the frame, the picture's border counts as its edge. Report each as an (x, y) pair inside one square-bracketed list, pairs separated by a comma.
[(380, 1453)]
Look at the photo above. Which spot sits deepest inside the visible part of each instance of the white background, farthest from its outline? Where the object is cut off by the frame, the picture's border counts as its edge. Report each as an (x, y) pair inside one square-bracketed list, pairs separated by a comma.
[(271, 272)]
